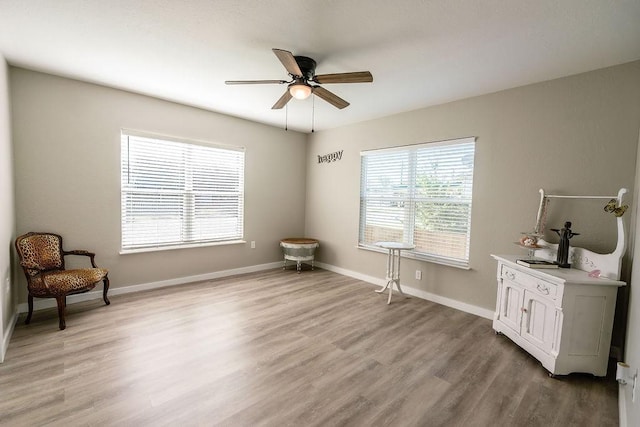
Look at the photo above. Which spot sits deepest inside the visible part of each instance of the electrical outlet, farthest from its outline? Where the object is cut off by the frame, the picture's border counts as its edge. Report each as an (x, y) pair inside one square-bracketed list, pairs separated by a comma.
[(418, 275), (253, 244)]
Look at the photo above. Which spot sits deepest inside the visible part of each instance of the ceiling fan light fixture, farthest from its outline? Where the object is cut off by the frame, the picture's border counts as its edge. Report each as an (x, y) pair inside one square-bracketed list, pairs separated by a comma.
[(302, 71), (300, 90)]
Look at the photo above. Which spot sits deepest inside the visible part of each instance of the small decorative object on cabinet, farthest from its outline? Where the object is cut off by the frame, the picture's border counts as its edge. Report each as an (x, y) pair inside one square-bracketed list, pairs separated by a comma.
[(562, 317), (565, 233), (537, 263), (529, 241)]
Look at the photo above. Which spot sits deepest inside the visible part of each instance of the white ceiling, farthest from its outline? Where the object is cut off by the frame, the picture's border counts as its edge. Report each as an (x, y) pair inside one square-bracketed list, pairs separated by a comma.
[(420, 52)]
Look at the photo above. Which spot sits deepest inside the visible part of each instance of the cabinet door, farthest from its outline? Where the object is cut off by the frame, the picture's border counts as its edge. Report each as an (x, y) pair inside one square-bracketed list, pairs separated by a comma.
[(511, 305), (539, 321)]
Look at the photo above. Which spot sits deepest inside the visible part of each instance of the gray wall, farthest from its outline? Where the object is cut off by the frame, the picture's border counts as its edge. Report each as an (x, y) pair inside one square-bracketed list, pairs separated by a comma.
[(575, 135), (67, 159), (7, 213)]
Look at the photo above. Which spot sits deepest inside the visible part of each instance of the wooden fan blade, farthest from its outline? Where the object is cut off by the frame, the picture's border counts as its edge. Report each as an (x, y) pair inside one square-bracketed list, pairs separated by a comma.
[(254, 82), (356, 77), (330, 97), (286, 97), (289, 61)]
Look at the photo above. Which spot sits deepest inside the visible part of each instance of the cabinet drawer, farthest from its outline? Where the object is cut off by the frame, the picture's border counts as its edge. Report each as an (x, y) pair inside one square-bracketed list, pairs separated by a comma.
[(541, 287)]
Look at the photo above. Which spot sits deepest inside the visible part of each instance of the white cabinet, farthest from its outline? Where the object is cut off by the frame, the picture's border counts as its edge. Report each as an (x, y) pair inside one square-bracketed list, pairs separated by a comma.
[(562, 317)]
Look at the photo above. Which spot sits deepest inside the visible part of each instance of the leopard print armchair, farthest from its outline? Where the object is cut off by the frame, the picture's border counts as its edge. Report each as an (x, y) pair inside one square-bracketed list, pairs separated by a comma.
[(42, 259)]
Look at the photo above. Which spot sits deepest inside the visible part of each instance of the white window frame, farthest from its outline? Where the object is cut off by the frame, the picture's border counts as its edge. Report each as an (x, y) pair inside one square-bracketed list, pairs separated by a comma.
[(179, 171), (389, 199)]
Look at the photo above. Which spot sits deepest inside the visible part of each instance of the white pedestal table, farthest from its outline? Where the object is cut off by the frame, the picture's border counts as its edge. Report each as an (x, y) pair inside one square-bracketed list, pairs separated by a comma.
[(393, 265)]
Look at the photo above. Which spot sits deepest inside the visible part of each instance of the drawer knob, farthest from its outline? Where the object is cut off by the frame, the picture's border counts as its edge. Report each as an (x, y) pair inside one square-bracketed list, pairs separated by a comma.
[(523, 309), (543, 289), (509, 275)]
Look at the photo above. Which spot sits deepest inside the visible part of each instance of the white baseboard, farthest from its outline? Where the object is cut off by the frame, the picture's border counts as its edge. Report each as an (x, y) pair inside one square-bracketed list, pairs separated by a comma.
[(458, 305), (7, 335), (42, 303)]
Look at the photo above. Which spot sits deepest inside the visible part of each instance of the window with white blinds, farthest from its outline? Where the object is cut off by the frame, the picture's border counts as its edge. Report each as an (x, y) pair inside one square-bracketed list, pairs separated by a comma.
[(177, 193), (419, 194)]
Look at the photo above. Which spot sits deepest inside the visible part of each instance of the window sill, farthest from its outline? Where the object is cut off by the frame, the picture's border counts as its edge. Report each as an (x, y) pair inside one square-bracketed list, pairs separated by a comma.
[(421, 257), (173, 247)]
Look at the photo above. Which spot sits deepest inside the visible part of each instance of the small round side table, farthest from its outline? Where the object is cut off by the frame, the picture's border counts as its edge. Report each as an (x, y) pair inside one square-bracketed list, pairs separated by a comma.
[(393, 265), (298, 249)]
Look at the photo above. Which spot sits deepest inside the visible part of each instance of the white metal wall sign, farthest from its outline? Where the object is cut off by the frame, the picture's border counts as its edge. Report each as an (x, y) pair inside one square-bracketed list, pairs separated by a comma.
[(331, 157)]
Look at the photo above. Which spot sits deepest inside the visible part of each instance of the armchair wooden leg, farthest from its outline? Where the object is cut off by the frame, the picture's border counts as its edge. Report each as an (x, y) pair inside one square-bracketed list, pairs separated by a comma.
[(30, 301), (61, 305), (105, 290)]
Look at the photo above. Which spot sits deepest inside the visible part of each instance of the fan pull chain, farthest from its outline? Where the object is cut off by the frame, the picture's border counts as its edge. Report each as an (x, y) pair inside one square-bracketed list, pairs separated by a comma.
[(313, 113), (286, 117)]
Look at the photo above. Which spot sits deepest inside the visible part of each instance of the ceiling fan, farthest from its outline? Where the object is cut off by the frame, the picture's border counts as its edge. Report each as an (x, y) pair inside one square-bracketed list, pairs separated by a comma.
[(304, 80)]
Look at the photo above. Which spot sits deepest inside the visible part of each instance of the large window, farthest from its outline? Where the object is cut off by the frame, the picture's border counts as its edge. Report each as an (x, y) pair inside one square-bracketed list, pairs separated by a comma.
[(177, 193), (419, 194)]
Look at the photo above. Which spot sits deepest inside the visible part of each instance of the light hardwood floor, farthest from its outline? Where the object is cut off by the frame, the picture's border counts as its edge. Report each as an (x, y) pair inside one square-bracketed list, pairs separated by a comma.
[(278, 348)]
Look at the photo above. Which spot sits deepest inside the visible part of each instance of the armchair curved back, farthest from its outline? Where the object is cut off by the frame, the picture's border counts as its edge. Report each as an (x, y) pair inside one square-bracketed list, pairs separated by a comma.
[(40, 252)]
